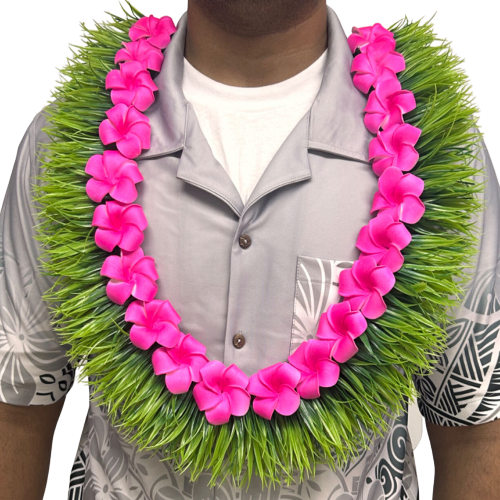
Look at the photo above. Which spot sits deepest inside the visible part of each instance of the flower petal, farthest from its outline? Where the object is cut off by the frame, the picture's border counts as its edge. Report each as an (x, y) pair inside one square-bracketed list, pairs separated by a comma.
[(142, 337), (328, 372), (307, 388), (118, 291), (144, 288), (239, 399), (136, 313), (220, 413), (130, 146), (393, 259), (265, 407), (95, 167), (195, 362), (179, 381), (131, 238), (234, 376), (286, 375), (163, 362), (288, 401), (108, 133), (97, 190), (146, 266), (344, 349), (205, 397), (168, 334), (382, 279), (348, 285), (124, 190), (374, 306), (212, 373), (355, 323), (411, 209), (112, 268)]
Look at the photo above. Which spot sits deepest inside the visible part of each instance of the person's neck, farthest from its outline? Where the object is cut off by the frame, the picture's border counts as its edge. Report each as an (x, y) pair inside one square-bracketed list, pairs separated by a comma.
[(254, 61)]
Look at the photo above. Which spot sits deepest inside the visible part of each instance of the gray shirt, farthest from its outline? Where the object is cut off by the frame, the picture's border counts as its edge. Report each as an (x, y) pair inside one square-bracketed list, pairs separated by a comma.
[(303, 218)]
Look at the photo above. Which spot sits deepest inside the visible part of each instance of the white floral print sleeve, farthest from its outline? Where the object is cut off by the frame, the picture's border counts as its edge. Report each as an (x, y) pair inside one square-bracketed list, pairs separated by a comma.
[(34, 369), (464, 387)]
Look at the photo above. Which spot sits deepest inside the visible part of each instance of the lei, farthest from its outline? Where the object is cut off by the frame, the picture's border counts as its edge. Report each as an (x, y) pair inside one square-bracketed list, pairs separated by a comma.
[(333, 393)]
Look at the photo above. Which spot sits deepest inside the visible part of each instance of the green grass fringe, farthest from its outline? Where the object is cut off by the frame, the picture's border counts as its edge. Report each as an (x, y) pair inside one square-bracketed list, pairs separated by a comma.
[(373, 385)]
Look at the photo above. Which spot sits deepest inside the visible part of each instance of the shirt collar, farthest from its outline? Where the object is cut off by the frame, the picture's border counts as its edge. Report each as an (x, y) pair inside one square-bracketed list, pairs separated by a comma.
[(335, 120)]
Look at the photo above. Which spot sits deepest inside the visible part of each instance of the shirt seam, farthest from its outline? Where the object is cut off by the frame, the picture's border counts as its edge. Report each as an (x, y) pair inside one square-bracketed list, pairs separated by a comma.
[(294, 305), (336, 147)]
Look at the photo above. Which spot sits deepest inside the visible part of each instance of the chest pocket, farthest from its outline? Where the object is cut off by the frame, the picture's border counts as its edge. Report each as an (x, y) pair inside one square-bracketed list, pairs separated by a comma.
[(316, 287)]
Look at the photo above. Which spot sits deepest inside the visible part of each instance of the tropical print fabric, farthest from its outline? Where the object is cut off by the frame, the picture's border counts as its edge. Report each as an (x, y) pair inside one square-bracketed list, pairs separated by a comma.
[(462, 390)]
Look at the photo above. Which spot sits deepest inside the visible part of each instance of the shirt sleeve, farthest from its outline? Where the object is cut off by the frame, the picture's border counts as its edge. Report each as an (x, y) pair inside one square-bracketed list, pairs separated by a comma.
[(34, 369), (464, 386)]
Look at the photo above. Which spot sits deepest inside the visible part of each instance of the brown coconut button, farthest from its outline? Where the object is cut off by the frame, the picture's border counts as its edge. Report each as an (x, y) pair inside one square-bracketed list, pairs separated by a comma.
[(239, 341), (245, 241)]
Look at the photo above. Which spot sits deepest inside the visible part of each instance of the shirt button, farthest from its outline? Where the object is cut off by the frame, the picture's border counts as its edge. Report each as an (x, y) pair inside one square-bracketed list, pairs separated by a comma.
[(238, 341), (245, 241)]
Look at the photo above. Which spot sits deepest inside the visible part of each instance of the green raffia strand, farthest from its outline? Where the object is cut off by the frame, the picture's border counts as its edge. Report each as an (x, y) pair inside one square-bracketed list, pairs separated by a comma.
[(373, 385)]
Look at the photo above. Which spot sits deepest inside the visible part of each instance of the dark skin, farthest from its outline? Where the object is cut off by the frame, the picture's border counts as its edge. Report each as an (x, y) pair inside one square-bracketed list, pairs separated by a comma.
[(251, 43)]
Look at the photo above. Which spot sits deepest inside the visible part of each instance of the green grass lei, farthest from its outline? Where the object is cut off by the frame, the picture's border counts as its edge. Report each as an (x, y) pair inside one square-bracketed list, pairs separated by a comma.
[(374, 384)]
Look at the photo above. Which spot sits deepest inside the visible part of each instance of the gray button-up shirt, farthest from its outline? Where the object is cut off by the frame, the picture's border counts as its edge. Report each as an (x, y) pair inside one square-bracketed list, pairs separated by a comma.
[(303, 219)]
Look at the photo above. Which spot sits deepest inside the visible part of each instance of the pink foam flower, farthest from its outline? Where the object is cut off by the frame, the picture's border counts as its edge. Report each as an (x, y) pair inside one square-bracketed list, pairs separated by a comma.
[(154, 321), (317, 369), (181, 364), (395, 147), (274, 388), (128, 127), (131, 85), (362, 37), (131, 273), (222, 392), (141, 51), (383, 238), (112, 174), (341, 325), (387, 104), (399, 195), (364, 286), (374, 64), (156, 31), (119, 224)]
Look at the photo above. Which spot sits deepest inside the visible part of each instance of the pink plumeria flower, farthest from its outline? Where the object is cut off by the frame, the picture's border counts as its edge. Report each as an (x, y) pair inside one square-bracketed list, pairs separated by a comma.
[(181, 364), (131, 273), (387, 104), (128, 127), (112, 174), (274, 388), (399, 195), (141, 51), (373, 64), (364, 286), (131, 85), (395, 147), (362, 37), (156, 31), (119, 224), (154, 321), (341, 325), (317, 369), (222, 392), (383, 238)]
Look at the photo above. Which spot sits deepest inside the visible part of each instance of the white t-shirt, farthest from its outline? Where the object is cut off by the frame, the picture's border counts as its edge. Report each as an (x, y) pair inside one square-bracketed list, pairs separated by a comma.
[(245, 126)]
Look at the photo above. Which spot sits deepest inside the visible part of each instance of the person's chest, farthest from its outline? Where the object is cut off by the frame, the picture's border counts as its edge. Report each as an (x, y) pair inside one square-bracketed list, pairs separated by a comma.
[(251, 280)]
